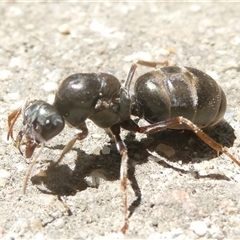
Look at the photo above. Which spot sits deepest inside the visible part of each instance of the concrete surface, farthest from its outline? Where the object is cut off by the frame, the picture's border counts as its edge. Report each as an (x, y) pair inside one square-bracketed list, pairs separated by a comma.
[(191, 194)]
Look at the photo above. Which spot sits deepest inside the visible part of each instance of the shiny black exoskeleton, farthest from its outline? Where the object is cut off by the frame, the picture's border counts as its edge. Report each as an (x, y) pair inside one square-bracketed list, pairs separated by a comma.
[(170, 92), (167, 97), (97, 96), (41, 122), (159, 95)]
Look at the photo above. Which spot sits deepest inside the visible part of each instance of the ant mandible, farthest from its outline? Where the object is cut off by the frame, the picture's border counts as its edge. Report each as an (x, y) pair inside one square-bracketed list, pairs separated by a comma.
[(167, 97)]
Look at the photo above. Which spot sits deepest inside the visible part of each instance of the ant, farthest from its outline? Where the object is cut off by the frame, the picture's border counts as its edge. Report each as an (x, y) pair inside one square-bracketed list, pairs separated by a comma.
[(167, 97)]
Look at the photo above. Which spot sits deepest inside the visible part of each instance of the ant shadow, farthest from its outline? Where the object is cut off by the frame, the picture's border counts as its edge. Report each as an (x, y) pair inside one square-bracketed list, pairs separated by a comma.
[(62, 180)]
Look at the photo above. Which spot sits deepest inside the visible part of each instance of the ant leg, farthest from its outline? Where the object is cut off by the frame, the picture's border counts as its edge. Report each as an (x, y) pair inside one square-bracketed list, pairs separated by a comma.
[(151, 64), (115, 129), (143, 63), (68, 147), (130, 75), (17, 142), (12, 118), (157, 127), (31, 167)]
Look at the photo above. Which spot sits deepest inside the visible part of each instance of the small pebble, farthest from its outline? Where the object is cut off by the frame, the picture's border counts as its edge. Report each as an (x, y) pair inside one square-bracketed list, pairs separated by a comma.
[(3, 109), (154, 176), (96, 135), (205, 41), (41, 174), (97, 150), (14, 96), (50, 86), (4, 173), (3, 182), (53, 76), (237, 178), (106, 150), (236, 40), (195, 8), (5, 74), (15, 11), (51, 98), (15, 62), (36, 224), (95, 177), (20, 166), (232, 64), (163, 52), (64, 29), (92, 181), (39, 236), (199, 227), (165, 149), (29, 26), (59, 223), (176, 232), (46, 200), (138, 55)]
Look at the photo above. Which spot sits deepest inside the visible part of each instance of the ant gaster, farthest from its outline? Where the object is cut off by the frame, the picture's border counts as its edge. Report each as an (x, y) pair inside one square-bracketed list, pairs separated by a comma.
[(167, 97)]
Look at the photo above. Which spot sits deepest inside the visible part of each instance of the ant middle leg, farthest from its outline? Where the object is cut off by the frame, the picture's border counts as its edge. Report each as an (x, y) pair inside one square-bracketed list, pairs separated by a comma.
[(115, 129)]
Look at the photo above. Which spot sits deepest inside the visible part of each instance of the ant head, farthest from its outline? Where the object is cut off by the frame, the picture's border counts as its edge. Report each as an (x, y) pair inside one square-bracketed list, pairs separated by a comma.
[(41, 122)]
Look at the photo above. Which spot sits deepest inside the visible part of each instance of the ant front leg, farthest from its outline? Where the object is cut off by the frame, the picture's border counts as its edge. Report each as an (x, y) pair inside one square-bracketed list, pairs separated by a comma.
[(80, 136), (115, 129), (170, 123), (12, 117)]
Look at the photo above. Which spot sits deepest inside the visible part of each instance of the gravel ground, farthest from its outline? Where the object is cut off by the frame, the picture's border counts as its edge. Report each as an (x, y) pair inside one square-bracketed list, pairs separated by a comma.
[(187, 191)]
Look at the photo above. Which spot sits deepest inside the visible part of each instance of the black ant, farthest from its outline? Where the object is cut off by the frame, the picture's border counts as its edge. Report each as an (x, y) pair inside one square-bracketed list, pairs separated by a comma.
[(168, 97)]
